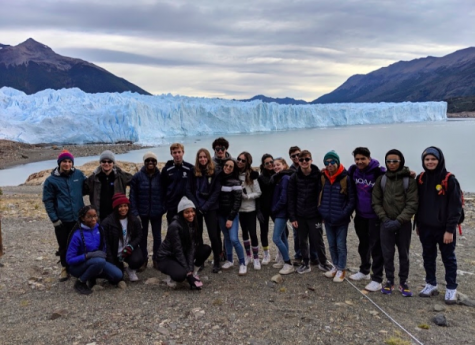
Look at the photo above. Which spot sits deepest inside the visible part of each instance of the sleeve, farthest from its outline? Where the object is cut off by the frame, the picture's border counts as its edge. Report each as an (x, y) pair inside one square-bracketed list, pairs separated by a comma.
[(350, 206), (256, 191), (214, 195), (173, 234), (412, 202), (282, 202), (49, 197), (74, 254), (191, 189), (133, 195), (377, 200), (135, 232), (190, 257), (107, 241), (454, 205), (292, 198), (237, 194)]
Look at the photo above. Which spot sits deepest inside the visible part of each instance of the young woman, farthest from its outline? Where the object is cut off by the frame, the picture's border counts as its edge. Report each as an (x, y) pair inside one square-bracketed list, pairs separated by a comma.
[(264, 203), (86, 254), (230, 199), (181, 254), (247, 212), (203, 190), (123, 233), (279, 213), (439, 212)]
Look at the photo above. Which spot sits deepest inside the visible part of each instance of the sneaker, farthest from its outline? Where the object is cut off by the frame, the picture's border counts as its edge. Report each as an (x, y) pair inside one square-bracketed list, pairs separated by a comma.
[(64, 275), (287, 269), (82, 288), (339, 276), (304, 269), (298, 262), (91, 283), (242, 270), (257, 264), (170, 283), (388, 288), (373, 286), (360, 276), (266, 258), (331, 273), (279, 264), (325, 267), (405, 291), (247, 260), (227, 265), (429, 290), (451, 296), (132, 275), (216, 269)]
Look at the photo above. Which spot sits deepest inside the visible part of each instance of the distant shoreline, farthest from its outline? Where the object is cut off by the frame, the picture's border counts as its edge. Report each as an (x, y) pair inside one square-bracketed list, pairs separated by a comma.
[(463, 114)]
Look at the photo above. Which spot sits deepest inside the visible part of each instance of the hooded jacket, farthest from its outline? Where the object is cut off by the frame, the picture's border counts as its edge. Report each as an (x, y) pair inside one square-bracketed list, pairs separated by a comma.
[(230, 197), (267, 189), (79, 245), (174, 179), (146, 194), (219, 162), (204, 190), (303, 192), (250, 193), (280, 181)]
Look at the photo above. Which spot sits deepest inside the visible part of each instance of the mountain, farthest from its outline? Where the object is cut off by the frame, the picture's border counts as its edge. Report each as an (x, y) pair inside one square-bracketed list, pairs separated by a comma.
[(419, 80), (266, 99), (32, 67)]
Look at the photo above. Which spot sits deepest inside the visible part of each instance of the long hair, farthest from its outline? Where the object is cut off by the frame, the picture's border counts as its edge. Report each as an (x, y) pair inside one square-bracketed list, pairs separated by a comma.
[(262, 167), (247, 167), (209, 166), (235, 173), (187, 238), (284, 163)]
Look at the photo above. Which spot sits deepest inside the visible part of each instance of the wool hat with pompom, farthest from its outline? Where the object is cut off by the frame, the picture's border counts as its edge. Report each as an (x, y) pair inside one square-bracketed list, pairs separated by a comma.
[(65, 154)]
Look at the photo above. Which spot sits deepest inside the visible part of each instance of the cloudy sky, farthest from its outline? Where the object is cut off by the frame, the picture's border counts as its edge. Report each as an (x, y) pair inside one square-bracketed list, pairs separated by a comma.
[(237, 49)]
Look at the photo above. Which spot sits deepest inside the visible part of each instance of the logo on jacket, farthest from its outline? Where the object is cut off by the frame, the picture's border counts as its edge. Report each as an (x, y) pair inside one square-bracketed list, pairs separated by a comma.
[(364, 181), (185, 174)]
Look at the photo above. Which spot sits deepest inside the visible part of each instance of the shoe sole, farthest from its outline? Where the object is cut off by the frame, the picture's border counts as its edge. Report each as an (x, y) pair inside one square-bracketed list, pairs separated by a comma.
[(450, 302), (285, 273), (433, 293), (303, 272), (379, 289), (242, 274), (357, 280)]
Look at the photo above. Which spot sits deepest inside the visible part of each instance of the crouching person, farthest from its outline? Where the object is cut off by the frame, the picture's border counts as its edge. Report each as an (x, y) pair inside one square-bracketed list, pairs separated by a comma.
[(86, 254), (123, 233), (181, 255)]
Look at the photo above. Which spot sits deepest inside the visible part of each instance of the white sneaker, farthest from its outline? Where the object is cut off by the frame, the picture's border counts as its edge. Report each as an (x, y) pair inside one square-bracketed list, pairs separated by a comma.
[(331, 273), (132, 275), (279, 264), (266, 258), (171, 283), (257, 264), (247, 260), (360, 276), (429, 290), (339, 276), (242, 270), (227, 265), (451, 296), (287, 269), (373, 286)]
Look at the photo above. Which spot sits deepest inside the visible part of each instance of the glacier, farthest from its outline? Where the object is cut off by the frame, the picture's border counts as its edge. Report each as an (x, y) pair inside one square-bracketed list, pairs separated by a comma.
[(73, 116)]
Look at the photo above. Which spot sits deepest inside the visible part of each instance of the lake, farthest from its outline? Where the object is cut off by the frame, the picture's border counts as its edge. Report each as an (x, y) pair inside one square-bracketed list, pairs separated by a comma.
[(455, 137)]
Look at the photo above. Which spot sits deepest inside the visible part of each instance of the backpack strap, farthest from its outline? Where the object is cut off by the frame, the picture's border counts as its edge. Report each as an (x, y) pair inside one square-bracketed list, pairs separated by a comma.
[(384, 179), (321, 190), (405, 182), (419, 180), (344, 185), (445, 184)]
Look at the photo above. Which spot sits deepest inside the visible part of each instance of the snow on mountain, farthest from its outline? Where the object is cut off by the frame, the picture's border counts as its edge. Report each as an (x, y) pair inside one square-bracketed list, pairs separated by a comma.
[(73, 116)]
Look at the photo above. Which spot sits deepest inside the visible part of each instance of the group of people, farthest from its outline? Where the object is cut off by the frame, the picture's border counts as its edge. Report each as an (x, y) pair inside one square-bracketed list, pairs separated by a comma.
[(95, 241)]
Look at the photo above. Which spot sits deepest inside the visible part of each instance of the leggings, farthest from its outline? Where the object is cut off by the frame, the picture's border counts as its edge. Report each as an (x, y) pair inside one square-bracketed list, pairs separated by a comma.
[(265, 229), (211, 219)]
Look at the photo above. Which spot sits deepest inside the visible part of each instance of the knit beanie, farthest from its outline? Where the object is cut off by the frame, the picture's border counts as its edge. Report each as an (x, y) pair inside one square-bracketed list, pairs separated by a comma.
[(431, 151), (332, 155), (149, 155), (107, 155), (119, 199), (65, 154), (184, 204)]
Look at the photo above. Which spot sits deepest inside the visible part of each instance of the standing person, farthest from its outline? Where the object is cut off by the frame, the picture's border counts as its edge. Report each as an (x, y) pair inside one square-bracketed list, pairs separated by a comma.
[(247, 212), (395, 201), (294, 152), (337, 202), (303, 191), (181, 254), (203, 190), (146, 202), (264, 203), (62, 197), (220, 148), (86, 254), (279, 213), (174, 179), (364, 173), (123, 234), (439, 213), (230, 199), (104, 182)]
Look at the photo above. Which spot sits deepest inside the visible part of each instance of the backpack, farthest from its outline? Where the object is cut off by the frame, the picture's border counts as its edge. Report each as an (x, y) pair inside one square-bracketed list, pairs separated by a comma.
[(405, 182), (343, 185)]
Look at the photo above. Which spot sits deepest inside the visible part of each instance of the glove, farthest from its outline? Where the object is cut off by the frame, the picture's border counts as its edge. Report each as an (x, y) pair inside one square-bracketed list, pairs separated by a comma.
[(194, 283), (96, 254), (260, 217), (392, 225), (57, 223), (127, 251)]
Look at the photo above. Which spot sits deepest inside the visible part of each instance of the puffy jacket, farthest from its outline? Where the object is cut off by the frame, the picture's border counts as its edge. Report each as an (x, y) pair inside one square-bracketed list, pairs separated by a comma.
[(146, 194), (174, 179), (249, 192), (267, 189), (62, 195), (77, 247), (113, 234), (303, 192), (230, 196), (204, 191), (364, 181), (180, 243), (280, 181), (395, 202), (336, 207)]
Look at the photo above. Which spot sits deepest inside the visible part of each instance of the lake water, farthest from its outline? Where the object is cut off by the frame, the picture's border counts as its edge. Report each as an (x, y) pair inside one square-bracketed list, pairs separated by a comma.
[(455, 137)]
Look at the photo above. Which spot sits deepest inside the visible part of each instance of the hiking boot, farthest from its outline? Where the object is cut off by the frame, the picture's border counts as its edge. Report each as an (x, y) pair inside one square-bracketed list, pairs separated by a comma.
[(360, 276), (242, 270), (64, 275), (287, 269), (91, 283), (304, 269), (331, 273), (451, 296), (339, 276), (266, 258), (227, 265), (325, 267), (405, 291), (257, 264), (132, 275), (247, 260), (388, 288), (82, 288), (429, 290), (373, 286)]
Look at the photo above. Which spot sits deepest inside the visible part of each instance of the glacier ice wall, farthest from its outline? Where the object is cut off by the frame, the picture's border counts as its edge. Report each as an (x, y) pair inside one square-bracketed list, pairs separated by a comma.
[(73, 116)]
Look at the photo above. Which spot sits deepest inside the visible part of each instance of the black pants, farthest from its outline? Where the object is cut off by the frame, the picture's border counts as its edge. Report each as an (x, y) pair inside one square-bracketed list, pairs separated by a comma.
[(170, 266), (369, 247), (156, 223), (62, 233), (249, 227), (401, 239), (214, 234), (264, 226), (311, 229), (170, 214), (134, 260)]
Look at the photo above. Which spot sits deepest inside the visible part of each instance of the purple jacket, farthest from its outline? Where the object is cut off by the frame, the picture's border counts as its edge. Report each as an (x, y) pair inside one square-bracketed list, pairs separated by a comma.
[(364, 182)]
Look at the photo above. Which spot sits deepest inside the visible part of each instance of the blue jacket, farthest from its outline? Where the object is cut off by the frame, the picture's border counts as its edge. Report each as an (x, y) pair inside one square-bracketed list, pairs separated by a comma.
[(146, 194), (203, 191), (174, 180), (62, 195), (279, 197), (77, 248)]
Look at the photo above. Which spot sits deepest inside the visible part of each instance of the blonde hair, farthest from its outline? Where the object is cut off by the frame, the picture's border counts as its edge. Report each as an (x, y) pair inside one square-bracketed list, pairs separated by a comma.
[(176, 146), (282, 160), (209, 165)]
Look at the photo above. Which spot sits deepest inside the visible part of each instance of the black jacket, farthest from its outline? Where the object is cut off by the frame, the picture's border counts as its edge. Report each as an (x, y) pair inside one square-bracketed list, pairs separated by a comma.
[(174, 179), (146, 194), (230, 196), (267, 189), (303, 193), (204, 191)]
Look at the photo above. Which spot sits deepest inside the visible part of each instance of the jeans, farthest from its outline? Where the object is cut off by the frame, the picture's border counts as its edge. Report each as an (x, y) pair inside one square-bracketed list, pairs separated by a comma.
[(96, 268), (336, 236), (401, 238), (231, 239), (156, 223), (279, 237)]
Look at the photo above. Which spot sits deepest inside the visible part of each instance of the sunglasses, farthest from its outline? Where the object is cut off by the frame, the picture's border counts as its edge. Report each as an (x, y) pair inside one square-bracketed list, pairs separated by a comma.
[(229, 166), (107, 162), (242, 160), (307, 159), (269, 163), (393, 161), (150, 160), (330, 162), (294, 155), (220, 148)]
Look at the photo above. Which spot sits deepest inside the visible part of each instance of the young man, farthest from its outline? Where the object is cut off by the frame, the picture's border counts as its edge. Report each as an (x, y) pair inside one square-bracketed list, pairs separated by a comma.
[(62, 196), (303, 192), (174, 178), (364, 173), (395, 201), (220, 148), (294, 152)]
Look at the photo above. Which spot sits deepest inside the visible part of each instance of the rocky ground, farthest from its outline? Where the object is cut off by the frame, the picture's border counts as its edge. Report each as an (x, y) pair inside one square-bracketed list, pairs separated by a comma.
[(301, 309)]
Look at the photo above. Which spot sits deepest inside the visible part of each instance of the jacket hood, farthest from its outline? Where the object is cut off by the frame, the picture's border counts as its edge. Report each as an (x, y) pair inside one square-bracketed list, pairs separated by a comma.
[(115, 169), (144, 170), (278, 176), (440, 166), (401, 157), (404, 172), (373, 164), (315, 170), (56, 172)]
